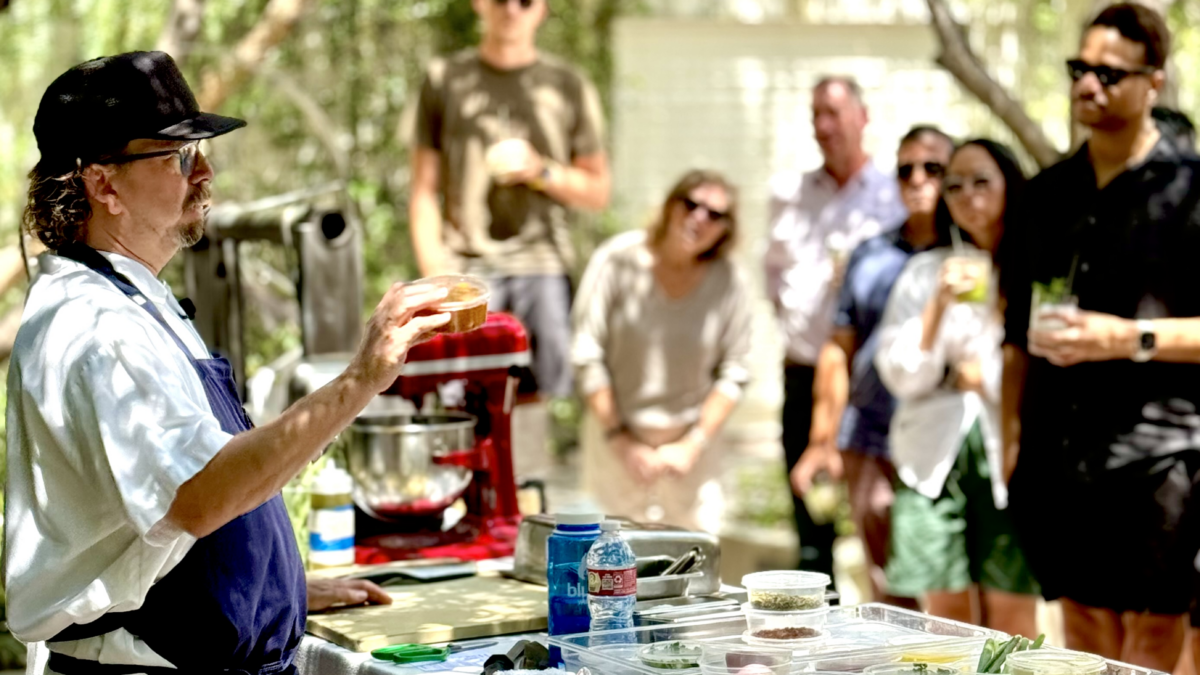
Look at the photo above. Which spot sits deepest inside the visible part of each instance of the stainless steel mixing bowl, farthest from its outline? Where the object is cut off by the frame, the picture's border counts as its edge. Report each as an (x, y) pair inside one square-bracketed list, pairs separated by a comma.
[(392, 460)]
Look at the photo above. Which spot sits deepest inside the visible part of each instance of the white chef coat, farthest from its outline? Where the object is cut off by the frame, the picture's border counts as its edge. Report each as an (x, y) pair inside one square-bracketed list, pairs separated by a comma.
[(809, 215), (106, 419)]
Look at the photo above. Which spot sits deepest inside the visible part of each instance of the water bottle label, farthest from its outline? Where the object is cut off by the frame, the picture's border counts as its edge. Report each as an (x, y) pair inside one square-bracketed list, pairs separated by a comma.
[(612, 582)]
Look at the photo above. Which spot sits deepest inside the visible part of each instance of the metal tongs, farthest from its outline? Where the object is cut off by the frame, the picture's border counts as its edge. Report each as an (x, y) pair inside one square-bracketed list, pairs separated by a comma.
[(684, 562)]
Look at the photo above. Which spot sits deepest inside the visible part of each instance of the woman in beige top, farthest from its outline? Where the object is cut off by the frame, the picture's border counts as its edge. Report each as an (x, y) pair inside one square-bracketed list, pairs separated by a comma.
[(662, 339)]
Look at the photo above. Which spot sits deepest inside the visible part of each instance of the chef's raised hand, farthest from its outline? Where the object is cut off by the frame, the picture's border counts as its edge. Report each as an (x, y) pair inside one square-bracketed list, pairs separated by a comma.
[(1085, 336), (393, 329), (325, 594)]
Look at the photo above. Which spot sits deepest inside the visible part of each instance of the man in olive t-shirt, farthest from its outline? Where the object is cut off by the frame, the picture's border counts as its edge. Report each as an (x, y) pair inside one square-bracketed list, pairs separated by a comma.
[(509, 139)]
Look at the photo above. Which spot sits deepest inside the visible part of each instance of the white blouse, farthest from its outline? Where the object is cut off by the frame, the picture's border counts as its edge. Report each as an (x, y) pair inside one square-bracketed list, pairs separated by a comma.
[(106, 419), (932, 420)]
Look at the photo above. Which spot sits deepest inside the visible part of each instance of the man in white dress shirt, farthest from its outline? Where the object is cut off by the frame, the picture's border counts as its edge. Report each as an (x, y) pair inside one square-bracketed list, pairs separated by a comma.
[(817, 218), (144, 528)]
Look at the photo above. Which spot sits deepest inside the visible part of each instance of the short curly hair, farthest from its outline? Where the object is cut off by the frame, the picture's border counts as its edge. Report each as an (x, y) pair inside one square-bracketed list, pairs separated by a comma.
[(57, 210)]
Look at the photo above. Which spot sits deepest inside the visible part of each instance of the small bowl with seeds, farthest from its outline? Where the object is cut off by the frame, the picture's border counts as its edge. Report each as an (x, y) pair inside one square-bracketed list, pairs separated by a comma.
[(766, 624), (786, 590)]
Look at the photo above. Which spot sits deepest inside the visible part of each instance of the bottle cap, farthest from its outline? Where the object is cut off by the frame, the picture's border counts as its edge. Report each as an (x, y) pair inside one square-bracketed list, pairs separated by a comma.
[(577, 518), (610, 526), (331, 480)]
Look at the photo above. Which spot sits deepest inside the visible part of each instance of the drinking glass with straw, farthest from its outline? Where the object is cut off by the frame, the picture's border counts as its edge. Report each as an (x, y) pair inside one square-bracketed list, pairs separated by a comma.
[(975, 269), (1052, 301)]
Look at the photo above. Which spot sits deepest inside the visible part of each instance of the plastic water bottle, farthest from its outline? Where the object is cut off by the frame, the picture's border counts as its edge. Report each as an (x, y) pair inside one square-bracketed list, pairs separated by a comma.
[(566, 573), (612, 580), (331, 520)]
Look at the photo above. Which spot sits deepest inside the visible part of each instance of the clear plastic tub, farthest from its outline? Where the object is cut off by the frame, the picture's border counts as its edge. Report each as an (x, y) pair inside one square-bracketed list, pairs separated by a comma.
[(746, 660), (911, 668), (1045, 662), (795, 644), (673, 655), (765, 624), (466, 303), (786, 590)]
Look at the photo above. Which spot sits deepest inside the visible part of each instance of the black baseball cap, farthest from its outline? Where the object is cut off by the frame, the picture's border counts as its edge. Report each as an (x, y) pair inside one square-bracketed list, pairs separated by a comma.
[(97, 107)]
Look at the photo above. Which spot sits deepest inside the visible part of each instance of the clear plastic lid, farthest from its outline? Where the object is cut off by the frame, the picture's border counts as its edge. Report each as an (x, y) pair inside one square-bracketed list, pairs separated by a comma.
[(1048, 662), (913, 668), (784, 580), (465, 291), (577, 518)]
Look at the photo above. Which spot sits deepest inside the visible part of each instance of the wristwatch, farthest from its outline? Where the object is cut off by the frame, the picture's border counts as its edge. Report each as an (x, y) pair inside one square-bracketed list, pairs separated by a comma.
[(1147, 345)]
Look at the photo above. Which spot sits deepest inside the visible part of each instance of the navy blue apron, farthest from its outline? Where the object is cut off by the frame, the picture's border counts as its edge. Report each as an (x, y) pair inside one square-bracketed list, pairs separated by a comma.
[(237, 602)]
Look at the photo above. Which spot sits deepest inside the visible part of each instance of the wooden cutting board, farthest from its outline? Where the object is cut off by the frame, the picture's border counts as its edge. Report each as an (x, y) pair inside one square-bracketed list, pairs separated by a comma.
[(462, 609)]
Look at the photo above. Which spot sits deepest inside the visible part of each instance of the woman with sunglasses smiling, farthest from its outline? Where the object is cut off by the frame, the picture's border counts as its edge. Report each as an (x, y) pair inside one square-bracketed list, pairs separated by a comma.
[(662, 323), (939, 354)]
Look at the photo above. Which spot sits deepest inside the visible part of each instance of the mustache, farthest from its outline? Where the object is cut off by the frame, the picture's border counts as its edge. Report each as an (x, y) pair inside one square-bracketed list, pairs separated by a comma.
[(201, 194)]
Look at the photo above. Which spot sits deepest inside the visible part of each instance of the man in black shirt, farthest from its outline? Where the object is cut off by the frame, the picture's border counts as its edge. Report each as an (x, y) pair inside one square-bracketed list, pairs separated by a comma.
[(1101, 398)]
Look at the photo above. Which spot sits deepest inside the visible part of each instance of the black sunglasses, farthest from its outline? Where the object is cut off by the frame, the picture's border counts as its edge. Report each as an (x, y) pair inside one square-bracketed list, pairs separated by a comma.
[(957, 187), (713, 215), (932, 169), (187, 157), (1107, 76), (525, 4)]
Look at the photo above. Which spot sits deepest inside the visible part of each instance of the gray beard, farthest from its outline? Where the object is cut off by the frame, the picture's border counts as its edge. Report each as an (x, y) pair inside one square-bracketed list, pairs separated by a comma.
[(190, 233)]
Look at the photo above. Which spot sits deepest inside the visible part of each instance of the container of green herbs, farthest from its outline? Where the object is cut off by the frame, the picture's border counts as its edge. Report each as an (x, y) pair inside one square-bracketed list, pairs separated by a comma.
[(918, 668), (674, 655), (786, 590)]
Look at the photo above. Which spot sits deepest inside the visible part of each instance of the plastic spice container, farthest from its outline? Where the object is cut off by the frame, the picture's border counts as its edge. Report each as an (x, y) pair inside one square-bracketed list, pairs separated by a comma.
[(758, 620), (916, 668), (672, 655), (466, 301), (1047, 662), (786, 591), (746, 661)]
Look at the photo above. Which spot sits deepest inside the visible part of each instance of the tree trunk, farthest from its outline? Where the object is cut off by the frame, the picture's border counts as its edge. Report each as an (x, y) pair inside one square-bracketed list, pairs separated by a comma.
[(957, 58), (277, 21), (181, 30)]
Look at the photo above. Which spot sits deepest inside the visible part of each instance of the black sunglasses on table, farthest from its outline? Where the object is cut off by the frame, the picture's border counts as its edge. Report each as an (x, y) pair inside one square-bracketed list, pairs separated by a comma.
[(713, 215), (187, 157), (525, 4), (932, 169), (1106, 75)]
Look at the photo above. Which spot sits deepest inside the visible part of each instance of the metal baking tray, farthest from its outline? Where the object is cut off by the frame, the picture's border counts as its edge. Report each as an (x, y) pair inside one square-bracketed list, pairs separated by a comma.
[(859, 636)]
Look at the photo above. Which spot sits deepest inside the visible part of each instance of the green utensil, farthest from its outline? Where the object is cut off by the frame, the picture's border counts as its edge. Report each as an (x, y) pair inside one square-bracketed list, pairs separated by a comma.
[(410, 653)]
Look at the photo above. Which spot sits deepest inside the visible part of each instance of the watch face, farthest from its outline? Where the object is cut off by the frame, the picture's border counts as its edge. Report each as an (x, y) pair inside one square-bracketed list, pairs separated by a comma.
[(1147, 341)]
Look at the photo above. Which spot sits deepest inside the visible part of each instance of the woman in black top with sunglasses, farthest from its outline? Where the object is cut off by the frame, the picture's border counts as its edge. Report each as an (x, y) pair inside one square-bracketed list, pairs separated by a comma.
[(662, 340)]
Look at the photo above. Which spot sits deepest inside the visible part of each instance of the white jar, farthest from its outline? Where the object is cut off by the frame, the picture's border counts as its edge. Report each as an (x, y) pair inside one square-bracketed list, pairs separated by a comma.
[(331, 520)]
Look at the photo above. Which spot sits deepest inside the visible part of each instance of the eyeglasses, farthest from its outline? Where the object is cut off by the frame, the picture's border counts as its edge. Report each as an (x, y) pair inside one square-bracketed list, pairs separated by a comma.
[(525, 4), (1108, 77), (956, 188), (188, 154), (932, 169), (713, 215)]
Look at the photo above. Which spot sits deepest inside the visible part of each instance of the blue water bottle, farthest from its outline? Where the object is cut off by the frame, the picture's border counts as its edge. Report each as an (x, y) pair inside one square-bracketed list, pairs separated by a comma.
[(566, 574)]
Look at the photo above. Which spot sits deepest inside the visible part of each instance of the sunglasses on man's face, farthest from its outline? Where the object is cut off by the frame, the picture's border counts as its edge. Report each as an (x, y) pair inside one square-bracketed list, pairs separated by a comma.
[(188, 154), (932, 170), (713, 215), (1106, 76), (525, 4)]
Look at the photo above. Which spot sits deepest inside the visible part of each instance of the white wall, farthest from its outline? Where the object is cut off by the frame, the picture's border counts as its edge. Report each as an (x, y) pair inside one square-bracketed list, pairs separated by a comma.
[(735, 97)]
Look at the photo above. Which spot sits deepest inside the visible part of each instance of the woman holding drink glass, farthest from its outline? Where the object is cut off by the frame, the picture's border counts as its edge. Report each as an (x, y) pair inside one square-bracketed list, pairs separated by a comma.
[(939, 354)]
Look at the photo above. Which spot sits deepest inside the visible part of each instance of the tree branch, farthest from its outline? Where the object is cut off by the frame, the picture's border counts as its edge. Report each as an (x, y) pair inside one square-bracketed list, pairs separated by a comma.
[(278, 19), (319, 122), (181, 30), (961, 62)]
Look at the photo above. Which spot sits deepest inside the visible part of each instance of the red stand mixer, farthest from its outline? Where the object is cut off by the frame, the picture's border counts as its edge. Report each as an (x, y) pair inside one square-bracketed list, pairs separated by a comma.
[(426, 462)]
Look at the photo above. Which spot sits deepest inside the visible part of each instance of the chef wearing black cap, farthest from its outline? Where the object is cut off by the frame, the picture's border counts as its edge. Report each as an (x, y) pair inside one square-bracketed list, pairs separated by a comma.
[(144, 528)]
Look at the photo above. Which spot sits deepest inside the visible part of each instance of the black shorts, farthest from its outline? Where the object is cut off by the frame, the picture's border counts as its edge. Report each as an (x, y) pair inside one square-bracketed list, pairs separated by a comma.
[(1126, 540)]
